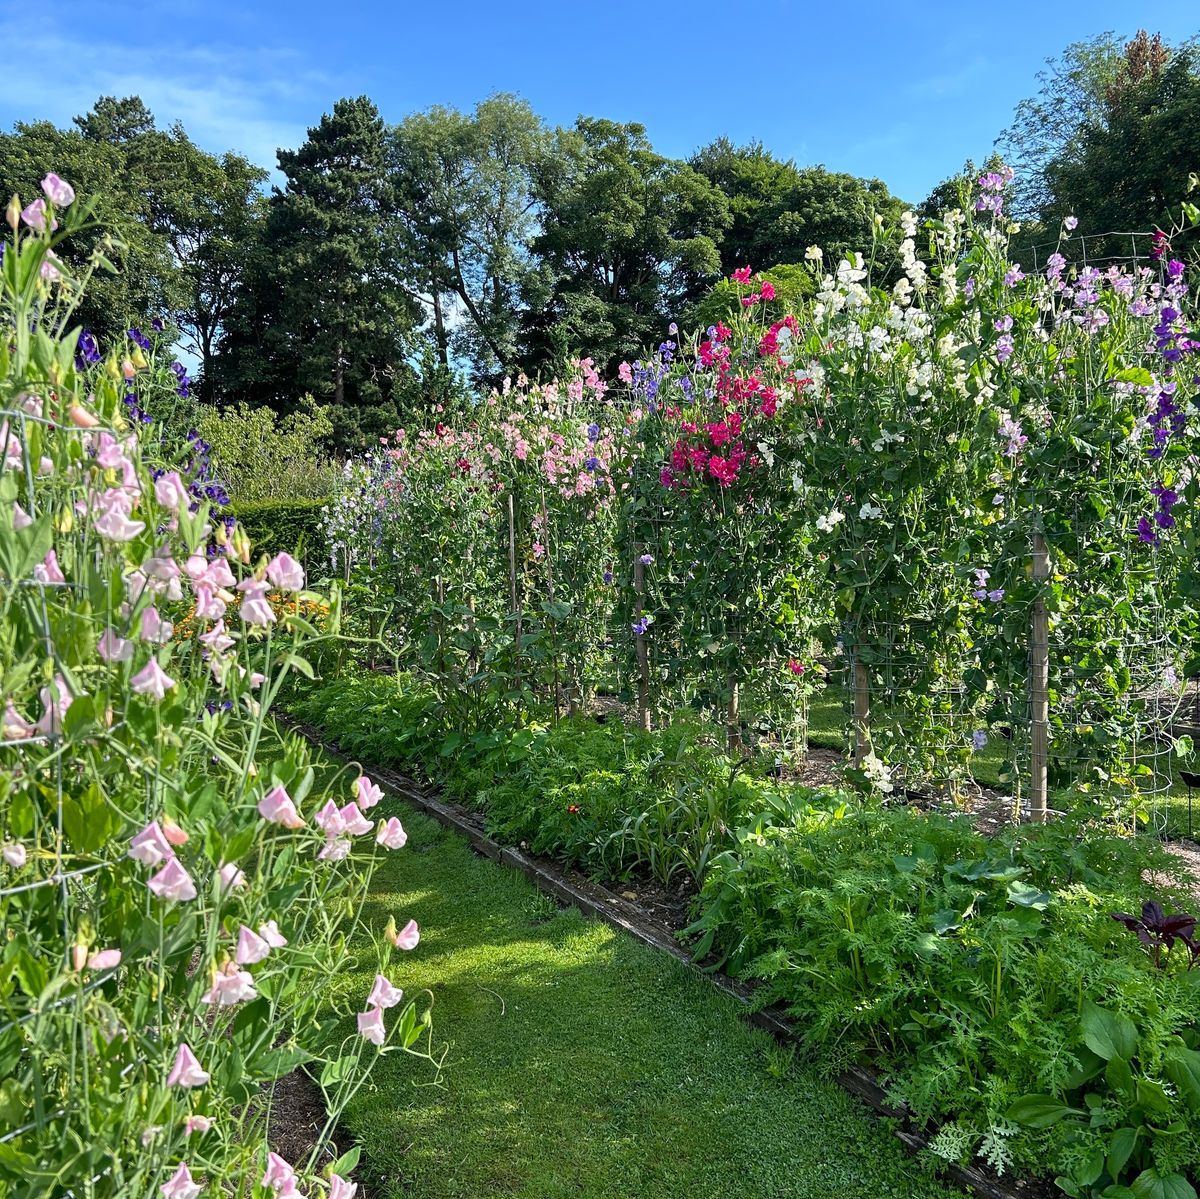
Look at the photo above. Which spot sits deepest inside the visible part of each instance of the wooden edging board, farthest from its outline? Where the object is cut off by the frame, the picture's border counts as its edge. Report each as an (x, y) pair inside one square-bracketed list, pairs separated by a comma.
[(569, 887)]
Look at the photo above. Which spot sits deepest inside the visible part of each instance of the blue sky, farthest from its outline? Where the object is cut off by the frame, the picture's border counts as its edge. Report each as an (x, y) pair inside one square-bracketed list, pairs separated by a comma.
[(900, 91)]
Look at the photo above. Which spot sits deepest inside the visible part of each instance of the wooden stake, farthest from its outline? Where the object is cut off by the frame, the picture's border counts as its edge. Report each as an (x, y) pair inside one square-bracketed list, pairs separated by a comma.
[(643, 649), (1039, 688), (733, 725)]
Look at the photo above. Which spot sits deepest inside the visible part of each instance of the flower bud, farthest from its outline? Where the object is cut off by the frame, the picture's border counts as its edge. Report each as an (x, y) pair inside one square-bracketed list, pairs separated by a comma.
[(12, 214), (241, 545)]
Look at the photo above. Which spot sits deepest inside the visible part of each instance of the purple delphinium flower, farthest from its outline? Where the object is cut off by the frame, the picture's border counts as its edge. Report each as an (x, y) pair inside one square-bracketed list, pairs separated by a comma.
[(640, 626), (979, 738)]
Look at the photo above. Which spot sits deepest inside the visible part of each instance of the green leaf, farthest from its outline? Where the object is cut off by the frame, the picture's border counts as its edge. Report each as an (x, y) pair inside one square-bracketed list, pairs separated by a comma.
[(1108, 1033), (346, 1162), (1025, 896), (1039, 1111), (1182, 1066), (1150, 1184), (1120, 1149)]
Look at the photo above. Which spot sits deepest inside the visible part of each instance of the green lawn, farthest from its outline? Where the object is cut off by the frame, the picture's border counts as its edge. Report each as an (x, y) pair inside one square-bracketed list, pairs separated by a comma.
[(585, 1065)]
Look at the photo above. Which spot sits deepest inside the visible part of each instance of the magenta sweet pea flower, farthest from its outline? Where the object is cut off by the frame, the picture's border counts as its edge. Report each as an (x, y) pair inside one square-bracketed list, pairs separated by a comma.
[(173, 883), (391, 835), (187, 1071)]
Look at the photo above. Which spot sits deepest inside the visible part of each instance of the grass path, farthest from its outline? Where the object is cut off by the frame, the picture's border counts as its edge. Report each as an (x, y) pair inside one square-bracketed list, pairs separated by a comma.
[(585, 1065)]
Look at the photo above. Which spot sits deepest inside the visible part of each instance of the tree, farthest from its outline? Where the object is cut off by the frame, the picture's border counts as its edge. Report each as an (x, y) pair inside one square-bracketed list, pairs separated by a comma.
[(627, 235), (779, 210), (464, 194), (324, 311)]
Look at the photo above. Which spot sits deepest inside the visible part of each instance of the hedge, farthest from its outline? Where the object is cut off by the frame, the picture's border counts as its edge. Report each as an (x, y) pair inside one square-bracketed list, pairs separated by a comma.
[(292, 525)]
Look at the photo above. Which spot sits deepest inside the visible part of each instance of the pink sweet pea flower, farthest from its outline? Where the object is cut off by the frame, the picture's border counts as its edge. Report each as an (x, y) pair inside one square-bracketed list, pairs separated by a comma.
[(366, 792), (104, 959), (154, 628), (56, 699), (187, 1071), (16, 727), (21, 518), (391, 835), (58, 191), (383, 994), (209, 605), (115, 525), (112, 648), (271, 934), (340, 1188), (408, 937), (285, 573), (170, 491), (216, 638), (173, 833), (229, 986), (150, 846), (152, 680), (278, 1173), (15, 855), (231, 877), (197, 1124), (276, 807), (334, 849), (329, 819), (34, 215), (48, 570), (173, 882), (255, 609), (251, 948), (181, 1185), (353, 821), (370, 1026)]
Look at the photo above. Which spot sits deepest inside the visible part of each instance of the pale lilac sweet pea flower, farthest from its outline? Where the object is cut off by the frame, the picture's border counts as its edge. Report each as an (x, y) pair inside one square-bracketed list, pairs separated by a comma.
[(341, 1188), (232, 879), (353, 821), (115, 525), (15, 854), (370, 1026), (112, 648), (391, 835), (187, 1071), (271, 934), (34, 215), (173, 883), (199, 1124), (48, 572), (58, 191), (383, 994), (170, 491), (285, 573), (334, 849), (329, 819), (255, 609), (279, 1173)]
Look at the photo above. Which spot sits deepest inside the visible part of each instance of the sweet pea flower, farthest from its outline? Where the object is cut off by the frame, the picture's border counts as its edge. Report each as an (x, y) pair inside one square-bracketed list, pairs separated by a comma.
[(329, 819), (104, 959), (48, 572), (353, 821), (366, 792), (181, 1185), (187, 1071), (229, 986), (21, 518), (383, 994), (150, 846), (370, 1026), (115, 525), (170, 491), (285, 573), (14, 854), (154, 628), (391, 835), (173, 833), (58, 191), (231, 877), (279, 1173), (173, 882), (341, 1188), (216, 638), (112, 648), (408, 937), (251, 948), (334, 849), (197, 1124), (255, 609), (34, 215), (152, 680), (276, 807), (271, 934)]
